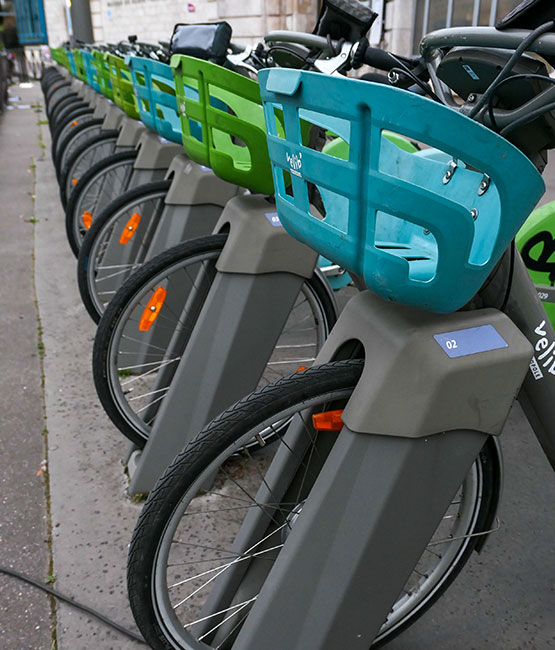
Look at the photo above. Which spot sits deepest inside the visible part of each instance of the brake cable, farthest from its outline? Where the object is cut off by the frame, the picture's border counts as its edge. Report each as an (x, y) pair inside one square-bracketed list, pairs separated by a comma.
[(404, 70)]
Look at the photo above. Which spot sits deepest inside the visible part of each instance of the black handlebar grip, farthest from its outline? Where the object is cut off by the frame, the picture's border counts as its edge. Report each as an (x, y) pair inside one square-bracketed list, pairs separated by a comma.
[(379, 59)]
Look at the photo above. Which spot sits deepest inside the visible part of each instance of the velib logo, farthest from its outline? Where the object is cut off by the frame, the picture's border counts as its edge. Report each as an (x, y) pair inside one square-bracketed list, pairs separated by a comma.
[(544, 360), (295, 161)]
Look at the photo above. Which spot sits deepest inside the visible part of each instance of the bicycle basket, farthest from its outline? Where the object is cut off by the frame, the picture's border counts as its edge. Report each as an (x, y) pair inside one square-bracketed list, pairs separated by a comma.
[(90, 70), (423, 230), (59, 55), (122, 86), (80, 72), (71, 62), (155, 90), (103, 74), (229, 111)]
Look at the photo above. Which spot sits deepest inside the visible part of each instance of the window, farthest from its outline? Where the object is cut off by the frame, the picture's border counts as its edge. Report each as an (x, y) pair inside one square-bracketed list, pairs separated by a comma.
[(436, 14)]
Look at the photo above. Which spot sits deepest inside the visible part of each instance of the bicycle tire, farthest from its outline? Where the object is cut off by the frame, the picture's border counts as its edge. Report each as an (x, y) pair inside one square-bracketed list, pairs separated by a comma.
[(66, 125), (92, 150), (81, 132), (65, 104), (84, 198), (62, 82), (133, 412), (49, 76), (55, 92), (61, 101), (117, 212), (63, 115), (214, 458)]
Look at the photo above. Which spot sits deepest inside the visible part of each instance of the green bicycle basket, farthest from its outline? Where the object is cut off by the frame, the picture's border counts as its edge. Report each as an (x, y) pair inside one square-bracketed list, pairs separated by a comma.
[(120, 76), (536, 243), (231, 119), (422, 229), (58, 55), (103, 74)]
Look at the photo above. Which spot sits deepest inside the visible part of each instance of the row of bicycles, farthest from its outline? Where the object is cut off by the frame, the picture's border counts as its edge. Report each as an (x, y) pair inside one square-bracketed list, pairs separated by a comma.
[(317, 476)]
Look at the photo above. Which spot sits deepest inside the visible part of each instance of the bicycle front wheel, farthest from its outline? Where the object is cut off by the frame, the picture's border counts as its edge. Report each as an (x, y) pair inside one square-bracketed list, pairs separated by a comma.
[(80, 134), (90, 152), (98, 186), (134, 363), (194, 571), (117, 244)]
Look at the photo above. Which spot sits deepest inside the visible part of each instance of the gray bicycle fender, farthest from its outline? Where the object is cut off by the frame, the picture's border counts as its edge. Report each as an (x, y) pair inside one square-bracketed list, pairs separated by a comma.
[(154, 152), (194, 184), (84, 93), (102, 107), (257, 243), (130, 133), (427, 372), (113, 118)]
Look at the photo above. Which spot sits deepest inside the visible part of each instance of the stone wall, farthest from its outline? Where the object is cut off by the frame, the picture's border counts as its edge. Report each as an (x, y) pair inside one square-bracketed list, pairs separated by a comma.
[(152, 20), (399, 21), (114, 20), (56, 23)]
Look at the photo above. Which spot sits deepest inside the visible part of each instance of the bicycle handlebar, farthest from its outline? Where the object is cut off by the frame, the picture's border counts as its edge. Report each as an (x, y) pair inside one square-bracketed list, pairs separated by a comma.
[(379, 59), (300, 38), (487, 37)]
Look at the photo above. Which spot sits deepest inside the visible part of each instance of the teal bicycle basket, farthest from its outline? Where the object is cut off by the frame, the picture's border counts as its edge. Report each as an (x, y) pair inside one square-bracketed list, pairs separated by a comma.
[(422, 229), (155, 90), (71, 62), (90, 70)]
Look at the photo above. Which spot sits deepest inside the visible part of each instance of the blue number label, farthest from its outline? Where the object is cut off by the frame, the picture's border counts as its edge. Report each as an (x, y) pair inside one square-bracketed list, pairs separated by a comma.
[(473, 340), (273, 218)]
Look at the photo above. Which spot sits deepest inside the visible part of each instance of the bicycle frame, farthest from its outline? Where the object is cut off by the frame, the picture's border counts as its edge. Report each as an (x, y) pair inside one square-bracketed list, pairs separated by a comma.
[(380, 496), (537, 394), (431, 393), (433, 390)]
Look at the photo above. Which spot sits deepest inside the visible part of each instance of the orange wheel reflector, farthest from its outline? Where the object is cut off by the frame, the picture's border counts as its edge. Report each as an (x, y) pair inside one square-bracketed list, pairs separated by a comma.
[(87, 219), (328, 421), (74, 181), (151, 311), (301, 368), (130, 227), (75, 123)]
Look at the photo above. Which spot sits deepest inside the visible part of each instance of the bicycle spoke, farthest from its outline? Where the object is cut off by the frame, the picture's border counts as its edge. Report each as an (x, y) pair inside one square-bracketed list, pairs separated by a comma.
[(241, 606)]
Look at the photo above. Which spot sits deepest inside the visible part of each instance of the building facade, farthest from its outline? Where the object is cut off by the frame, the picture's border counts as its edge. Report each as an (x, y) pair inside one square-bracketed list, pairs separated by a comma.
[(401, 26)]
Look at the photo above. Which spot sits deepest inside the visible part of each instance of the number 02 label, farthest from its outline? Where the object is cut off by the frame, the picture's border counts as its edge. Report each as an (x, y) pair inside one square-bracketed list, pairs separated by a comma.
[(461, 343)]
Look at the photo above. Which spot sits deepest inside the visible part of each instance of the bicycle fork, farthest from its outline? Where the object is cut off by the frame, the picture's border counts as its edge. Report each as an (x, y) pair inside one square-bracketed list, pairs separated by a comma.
[(259, 275), (434, 388)]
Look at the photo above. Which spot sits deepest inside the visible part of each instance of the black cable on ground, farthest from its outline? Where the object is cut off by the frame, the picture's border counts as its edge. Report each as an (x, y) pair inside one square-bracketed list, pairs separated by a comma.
[(74, 603)]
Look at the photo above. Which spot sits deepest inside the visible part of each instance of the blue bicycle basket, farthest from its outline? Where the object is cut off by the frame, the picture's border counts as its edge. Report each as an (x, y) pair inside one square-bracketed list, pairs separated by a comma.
[(155, 89), (90, 69), (423, 229), (71, 60)]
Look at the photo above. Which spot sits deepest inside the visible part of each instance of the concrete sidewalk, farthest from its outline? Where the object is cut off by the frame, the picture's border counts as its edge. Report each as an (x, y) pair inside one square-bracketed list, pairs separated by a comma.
[(25, 619), (92, 517), (504, 600)]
